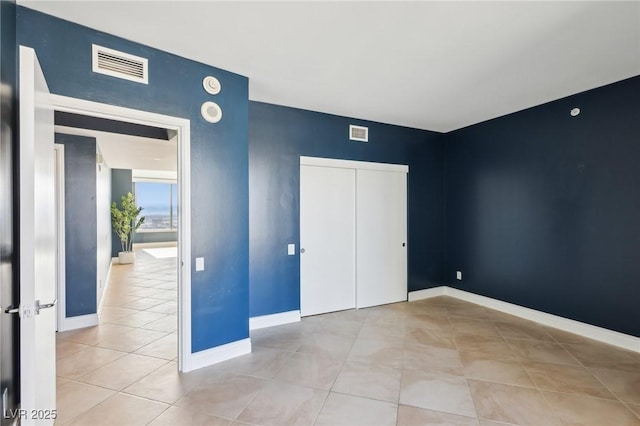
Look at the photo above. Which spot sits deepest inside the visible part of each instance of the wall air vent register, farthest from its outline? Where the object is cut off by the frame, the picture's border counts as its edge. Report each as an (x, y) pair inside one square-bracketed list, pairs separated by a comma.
[(119, 64), (358, 133)]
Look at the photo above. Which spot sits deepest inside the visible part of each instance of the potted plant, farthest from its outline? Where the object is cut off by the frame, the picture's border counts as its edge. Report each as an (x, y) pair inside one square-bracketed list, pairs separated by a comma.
[(125, 222)]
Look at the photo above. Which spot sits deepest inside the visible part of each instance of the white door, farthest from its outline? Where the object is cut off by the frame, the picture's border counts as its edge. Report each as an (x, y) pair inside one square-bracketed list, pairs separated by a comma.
[(37, 245), (382, 237), (327, 239)]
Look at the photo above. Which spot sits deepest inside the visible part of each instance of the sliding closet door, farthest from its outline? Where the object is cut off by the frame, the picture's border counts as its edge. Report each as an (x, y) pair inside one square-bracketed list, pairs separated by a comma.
[(382, 235), (327, 239)]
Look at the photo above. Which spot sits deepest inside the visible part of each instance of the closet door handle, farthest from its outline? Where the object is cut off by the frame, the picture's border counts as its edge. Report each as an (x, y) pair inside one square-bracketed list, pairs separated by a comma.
[(404, 244)]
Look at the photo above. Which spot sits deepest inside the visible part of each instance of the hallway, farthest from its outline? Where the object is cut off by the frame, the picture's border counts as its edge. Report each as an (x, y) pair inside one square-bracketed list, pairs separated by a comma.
[(136, 335)]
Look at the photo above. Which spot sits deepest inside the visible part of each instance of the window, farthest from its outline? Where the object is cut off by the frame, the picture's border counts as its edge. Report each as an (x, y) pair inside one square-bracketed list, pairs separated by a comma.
[(160, 205)]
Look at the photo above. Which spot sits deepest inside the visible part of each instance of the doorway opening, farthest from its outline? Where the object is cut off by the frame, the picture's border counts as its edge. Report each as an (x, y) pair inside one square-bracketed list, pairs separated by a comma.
[(178, 182)]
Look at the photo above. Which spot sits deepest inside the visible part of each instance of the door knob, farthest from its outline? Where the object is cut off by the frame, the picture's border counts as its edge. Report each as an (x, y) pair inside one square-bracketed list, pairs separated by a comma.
[(404, 244), (302, 251), (45, 306)]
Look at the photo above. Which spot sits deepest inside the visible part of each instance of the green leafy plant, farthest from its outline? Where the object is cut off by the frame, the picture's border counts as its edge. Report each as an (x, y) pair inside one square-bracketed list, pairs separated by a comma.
[(126, 220)]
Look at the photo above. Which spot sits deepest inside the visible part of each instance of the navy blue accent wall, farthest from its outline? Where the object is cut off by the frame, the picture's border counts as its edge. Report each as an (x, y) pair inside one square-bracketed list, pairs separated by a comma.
[(543, 208), (120, 185), (278, 136), (9, 285), (219, 159), (80, 221)]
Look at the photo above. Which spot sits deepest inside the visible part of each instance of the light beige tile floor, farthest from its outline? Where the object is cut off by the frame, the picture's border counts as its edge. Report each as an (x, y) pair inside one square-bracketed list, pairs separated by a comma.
[(438, 361)]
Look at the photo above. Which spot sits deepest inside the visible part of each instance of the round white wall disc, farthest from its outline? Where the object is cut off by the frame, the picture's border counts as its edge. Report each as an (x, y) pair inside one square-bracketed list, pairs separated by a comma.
[(211, 112), (211, 85)]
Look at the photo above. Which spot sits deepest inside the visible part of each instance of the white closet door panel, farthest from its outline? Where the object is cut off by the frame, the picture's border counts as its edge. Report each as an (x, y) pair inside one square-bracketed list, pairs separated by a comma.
[(327, 236), (381, 237)]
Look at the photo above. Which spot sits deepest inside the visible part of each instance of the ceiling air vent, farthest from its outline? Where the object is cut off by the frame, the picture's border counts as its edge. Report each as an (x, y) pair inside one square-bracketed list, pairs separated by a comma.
[(359, 133), (119, 64)]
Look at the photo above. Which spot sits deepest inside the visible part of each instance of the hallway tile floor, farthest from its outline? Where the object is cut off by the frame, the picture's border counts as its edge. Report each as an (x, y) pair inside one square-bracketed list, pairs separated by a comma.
[(436, 361)]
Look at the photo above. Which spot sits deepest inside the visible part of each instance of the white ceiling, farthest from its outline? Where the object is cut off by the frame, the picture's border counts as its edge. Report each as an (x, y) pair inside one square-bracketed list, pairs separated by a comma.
[(430, 65), (131, 152)]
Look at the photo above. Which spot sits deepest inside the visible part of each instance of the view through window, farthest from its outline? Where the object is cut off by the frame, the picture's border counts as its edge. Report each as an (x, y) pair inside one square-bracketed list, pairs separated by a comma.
[(160, 203)]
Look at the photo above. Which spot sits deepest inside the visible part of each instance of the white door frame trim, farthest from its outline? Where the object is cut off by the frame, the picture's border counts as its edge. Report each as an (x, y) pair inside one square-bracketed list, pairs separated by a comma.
[(183, 128), (351, 164), (61, 243)]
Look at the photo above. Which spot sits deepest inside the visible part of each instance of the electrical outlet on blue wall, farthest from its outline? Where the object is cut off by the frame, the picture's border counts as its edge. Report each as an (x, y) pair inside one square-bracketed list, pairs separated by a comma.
[(459, 275)]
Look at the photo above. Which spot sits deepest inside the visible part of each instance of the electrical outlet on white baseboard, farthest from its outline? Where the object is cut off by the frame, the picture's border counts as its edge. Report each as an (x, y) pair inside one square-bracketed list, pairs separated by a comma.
[(459, 275)]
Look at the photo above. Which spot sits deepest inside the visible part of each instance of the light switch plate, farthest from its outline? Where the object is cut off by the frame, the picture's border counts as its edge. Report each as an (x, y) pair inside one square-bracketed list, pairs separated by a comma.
[(199, 263), (291, 249)]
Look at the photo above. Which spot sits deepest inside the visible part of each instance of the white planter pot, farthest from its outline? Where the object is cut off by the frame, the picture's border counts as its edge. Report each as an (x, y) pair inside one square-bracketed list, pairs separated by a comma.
[(125, 257)]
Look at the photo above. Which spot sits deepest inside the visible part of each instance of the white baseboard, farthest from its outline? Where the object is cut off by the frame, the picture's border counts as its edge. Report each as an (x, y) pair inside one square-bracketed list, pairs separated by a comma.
[(281, 318), (589, 331), (81, 321), (107, 280), (427, 293), (215, 355)]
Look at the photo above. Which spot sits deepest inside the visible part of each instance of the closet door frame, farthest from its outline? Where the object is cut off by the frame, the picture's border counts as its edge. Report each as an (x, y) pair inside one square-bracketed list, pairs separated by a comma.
[(354, 165)]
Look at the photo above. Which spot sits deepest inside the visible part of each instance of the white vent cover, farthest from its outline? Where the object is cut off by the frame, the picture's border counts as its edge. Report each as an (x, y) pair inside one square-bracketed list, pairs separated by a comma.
[(119, 64), (211, 85), (359, 133)]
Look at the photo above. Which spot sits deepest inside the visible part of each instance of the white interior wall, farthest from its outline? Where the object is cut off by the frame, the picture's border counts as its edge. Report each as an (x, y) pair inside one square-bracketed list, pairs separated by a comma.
[(103, 210)]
